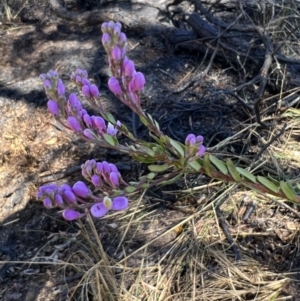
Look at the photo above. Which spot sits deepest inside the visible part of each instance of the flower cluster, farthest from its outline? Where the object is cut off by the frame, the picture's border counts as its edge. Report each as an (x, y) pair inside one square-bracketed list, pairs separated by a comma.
[(103, 175), (78, 200), (126, 83), (194, 146), (76, 117)]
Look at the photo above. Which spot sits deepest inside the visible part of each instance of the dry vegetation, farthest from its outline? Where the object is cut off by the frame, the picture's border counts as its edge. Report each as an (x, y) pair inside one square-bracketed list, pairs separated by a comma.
[(160, 250)]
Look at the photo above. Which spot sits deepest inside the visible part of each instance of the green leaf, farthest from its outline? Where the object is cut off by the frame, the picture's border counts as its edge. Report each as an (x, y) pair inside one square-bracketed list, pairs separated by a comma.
[(110, 118), (110, 140), (206, 165), (273, 180), (291, 187), (267, 183), (130, 189), (145, 186), (158, 168), (287, 191), (233, 171), (151, 175), (178, 147), (195, 165), (219, 164), (144, 120), (246, 174)]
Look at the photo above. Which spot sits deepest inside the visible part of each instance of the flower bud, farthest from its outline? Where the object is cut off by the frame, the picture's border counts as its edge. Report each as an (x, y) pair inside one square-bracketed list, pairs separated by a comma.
[(199, 139), (70, 214), (94, 91), (128, 68), (201, 151), (105, 168), (116, 53), (114, 179), (69, 196), (114, 86), (190, 139), (60, 88), (137, 82), (99, 168), (85, 81), (122, 39), (87, 119), (106, 39), (47, 84), (99, 123), (96, 180), (73, 124), (80, 189), (88, 133), (58, 200), (104, 27), (86, 91), (48, 203), (78, 79), (52, 74), (53, 107)]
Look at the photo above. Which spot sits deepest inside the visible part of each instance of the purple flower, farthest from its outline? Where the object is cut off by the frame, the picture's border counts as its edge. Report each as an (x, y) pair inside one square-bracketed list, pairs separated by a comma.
[(113, 167), (86, 91), (111, 130), (94, 91), (48, 203), (122, 39), (120, 203), (60, 88), (74, 124), (47, 84), (199, 139), (106, 39), (117, 30), (137, 82), (88, 133), (78, 79), (69, 196), (104, 27), (58, 199), (53, 107), (85, 81), (105, 168), (114, 179), (114, 86), (74, 102), (52, 73), (99, 168), (87, 119), (190, 139), (96, 180), (99, 210), (99, 123), (201, 151), (70, 214), (80, 189), (116, 53), (128, 68)]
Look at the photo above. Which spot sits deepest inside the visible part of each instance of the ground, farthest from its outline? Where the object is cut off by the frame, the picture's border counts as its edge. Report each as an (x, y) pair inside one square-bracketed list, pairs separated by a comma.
[(170, 244)]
